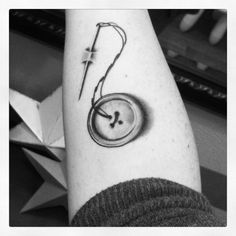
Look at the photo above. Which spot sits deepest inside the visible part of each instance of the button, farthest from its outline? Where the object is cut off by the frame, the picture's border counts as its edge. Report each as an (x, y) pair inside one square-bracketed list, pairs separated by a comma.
[(125, 123)]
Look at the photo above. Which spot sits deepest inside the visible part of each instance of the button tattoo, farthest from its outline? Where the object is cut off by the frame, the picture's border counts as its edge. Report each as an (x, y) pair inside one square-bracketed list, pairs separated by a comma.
[(114, 119)]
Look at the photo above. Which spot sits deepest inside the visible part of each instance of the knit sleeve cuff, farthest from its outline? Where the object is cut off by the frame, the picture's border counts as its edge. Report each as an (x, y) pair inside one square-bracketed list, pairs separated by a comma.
[(146, 202)]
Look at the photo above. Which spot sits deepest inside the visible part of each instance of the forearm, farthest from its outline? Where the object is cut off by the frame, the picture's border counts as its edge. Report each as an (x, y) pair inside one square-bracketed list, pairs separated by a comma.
[(164, 149)]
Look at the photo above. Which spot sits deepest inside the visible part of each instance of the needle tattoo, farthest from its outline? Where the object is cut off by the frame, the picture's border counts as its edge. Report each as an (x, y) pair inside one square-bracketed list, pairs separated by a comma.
[(88, 61)]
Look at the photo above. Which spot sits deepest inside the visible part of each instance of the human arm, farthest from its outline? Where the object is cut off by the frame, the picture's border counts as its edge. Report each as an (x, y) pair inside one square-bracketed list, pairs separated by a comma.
[(165, 150)]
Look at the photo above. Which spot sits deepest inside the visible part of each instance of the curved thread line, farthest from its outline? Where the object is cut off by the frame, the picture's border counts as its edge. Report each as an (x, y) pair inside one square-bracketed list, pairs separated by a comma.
[(101, 82)]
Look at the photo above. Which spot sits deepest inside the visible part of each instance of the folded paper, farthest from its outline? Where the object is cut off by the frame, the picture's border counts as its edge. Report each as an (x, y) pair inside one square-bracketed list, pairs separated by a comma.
[(42, 124), (53, 192)]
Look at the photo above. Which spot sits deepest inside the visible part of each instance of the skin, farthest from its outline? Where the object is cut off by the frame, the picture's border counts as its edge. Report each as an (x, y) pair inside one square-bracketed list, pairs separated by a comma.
[(165, 150)]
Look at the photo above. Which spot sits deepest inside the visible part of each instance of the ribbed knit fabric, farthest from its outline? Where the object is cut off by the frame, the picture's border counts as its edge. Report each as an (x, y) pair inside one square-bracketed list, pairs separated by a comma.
[(147, 202)]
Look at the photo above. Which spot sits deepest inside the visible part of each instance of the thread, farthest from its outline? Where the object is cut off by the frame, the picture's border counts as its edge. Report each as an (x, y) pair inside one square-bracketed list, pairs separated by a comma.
[(100, 84)]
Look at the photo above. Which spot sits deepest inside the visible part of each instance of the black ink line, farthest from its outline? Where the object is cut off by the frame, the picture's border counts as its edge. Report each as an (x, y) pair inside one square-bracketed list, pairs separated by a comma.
[(100, 83), (116, 119)]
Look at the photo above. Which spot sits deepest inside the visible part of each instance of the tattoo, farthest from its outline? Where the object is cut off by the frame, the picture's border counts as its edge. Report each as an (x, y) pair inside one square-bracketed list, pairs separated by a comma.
[(125, 123), (114, 119), (88, 59)]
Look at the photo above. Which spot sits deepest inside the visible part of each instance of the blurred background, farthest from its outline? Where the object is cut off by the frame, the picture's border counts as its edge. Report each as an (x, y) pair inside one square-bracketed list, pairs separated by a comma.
[(199, 67)]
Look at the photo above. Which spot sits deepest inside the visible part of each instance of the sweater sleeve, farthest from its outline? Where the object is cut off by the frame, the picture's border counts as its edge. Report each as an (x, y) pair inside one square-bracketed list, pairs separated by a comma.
[(147, 202)]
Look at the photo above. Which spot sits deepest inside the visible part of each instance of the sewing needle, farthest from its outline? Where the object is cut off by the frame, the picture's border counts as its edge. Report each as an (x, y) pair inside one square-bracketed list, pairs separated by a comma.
[(88, 60)]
